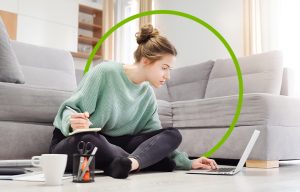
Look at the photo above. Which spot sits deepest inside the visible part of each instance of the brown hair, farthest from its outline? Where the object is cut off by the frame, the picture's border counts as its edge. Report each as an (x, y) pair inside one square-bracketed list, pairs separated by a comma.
[(152, 45)]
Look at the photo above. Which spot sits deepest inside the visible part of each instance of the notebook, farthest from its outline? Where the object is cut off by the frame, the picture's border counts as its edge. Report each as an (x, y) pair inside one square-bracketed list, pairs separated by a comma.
[(34, 176), (84, 130)]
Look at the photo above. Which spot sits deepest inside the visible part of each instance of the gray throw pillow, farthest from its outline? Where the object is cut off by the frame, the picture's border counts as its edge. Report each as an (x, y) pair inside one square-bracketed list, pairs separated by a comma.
[(10, 69)]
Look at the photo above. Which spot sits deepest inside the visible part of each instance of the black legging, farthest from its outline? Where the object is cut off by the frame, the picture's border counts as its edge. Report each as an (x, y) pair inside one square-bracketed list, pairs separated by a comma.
[(147, 148)]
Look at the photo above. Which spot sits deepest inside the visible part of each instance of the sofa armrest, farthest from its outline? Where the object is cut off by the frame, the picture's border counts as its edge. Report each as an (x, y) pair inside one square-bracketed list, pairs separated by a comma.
[(282, 110)]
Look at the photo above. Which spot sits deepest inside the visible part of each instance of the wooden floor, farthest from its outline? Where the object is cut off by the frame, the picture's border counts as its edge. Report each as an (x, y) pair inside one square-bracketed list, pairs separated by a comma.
[(283, 179)]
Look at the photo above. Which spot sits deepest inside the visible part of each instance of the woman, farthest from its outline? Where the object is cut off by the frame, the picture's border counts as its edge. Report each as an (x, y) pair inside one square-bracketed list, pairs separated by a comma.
[(118, 98)]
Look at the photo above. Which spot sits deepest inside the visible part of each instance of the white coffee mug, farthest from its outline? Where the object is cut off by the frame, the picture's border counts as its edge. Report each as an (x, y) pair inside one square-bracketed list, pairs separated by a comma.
[(53, 166)]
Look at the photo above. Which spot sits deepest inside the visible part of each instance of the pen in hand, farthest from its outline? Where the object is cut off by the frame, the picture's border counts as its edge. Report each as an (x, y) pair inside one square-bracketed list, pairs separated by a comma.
[(77, 112)]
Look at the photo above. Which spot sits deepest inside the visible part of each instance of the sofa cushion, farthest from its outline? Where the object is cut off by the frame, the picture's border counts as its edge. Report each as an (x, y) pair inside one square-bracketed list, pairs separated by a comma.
[(24, 103), (46, 67), (189, 82), (217, 112), (10, 70), (262, 73), (257, 109), (165, 113)]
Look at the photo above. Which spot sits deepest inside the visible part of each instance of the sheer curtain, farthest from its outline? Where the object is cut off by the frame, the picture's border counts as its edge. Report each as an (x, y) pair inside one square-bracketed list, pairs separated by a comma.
[(252, 27), (108, 22), (273, 25), (146, 5)]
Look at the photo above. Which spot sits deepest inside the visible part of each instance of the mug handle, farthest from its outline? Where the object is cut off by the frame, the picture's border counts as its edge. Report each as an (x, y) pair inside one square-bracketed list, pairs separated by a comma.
[(36, 159)]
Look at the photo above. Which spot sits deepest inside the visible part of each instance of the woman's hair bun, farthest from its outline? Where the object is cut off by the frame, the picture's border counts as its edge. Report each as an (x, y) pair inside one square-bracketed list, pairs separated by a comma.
[(146, 33)]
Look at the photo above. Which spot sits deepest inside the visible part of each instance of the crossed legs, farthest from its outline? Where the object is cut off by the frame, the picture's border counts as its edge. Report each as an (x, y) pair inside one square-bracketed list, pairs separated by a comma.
[(117, 156)]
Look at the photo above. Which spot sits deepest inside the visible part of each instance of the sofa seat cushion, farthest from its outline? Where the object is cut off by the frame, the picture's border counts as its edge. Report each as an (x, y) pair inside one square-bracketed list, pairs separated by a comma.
[(216, 112), (257, 109), (165, 113), (24, 103)]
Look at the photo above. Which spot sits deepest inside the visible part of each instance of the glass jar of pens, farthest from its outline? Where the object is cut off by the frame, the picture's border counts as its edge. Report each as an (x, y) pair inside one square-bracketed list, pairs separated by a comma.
[(84, 163)]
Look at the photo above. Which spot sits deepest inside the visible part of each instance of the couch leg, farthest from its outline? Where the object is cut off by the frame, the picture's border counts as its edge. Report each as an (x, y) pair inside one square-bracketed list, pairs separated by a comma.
[(262, 164)]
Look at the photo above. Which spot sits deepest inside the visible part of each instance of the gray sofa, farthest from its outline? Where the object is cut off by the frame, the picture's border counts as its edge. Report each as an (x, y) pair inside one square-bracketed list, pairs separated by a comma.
[(200, 100), (27, 110)]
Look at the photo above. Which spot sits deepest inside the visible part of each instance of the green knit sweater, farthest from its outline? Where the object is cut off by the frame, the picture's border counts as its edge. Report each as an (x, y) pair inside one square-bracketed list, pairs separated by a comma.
[(116, 104)]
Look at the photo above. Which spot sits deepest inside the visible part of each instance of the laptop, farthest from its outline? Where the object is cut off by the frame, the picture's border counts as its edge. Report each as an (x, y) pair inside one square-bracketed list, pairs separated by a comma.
[(231, 170)]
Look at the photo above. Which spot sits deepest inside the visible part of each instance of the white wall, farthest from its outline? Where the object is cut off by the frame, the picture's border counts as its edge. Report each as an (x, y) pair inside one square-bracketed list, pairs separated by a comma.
[(49, 23), (9, 5), (194, 42)]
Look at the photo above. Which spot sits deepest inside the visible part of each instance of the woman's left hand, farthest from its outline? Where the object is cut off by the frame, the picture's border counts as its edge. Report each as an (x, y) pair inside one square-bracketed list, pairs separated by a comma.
[(204, 163)]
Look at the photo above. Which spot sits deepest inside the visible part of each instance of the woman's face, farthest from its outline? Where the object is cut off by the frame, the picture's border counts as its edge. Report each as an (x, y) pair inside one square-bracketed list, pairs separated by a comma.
[(158, 72)]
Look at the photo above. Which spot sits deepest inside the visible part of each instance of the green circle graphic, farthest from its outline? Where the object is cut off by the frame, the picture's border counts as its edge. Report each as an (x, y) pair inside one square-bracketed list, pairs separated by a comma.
[(215, 32)]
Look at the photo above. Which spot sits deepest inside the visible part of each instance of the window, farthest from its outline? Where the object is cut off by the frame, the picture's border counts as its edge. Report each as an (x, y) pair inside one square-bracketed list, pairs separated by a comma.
[(289, 39), (125, 42), (280, 31)]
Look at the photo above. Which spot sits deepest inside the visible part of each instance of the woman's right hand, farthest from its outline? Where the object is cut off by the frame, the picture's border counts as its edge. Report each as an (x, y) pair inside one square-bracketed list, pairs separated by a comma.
[(204, 163), (80, 120)]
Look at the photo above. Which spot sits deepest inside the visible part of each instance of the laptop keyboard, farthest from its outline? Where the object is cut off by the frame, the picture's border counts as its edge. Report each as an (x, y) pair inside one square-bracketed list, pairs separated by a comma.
[(222, 169)]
